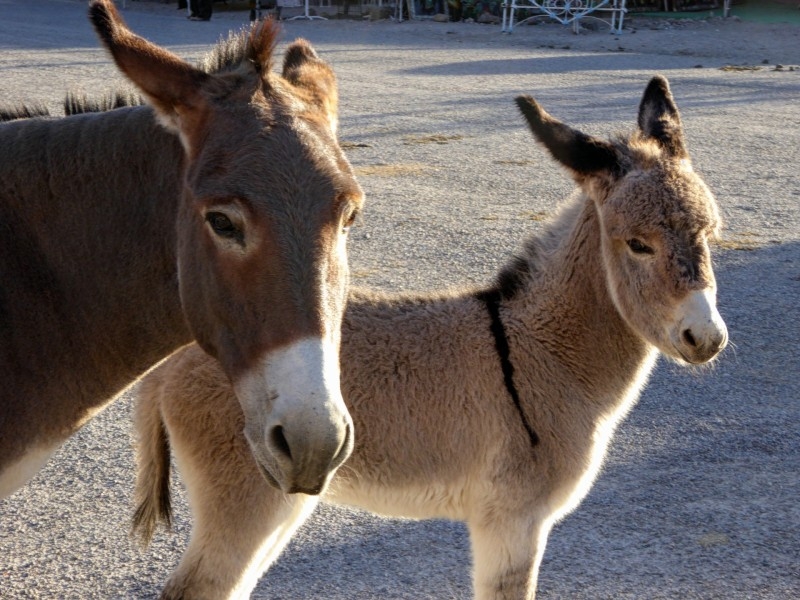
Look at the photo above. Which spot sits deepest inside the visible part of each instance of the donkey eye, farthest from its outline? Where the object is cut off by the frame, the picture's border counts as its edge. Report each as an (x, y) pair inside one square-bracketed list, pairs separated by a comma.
[(637, 247), (349, 221), (222, 225)]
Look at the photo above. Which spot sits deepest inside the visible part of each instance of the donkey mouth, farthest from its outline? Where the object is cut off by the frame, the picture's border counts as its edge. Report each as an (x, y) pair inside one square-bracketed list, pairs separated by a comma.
[(315, 491), (295, 489), (699, 356), (268, 476)]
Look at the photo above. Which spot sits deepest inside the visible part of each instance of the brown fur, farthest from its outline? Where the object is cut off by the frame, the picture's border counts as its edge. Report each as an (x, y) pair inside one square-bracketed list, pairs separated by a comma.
[(585, 308), (108, 261)]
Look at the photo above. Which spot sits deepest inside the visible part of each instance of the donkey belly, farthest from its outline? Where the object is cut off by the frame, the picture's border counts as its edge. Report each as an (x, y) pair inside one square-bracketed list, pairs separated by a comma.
[(34, 428), (430, 501), (19, 472)]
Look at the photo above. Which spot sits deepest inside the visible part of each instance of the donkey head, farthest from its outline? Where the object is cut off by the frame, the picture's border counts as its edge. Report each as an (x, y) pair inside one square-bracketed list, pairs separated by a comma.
[(268, 199), (656, 218)]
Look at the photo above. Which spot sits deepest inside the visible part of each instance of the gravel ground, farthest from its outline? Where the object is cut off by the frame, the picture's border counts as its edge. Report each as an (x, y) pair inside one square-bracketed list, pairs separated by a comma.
[(699, 497)]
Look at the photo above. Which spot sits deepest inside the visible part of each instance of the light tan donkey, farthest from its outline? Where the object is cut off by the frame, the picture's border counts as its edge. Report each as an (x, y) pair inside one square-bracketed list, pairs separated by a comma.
[(491, 406)]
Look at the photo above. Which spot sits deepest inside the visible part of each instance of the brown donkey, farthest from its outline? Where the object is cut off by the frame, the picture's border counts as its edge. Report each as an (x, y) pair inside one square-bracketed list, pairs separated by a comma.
[(491, 406), (219, 213)]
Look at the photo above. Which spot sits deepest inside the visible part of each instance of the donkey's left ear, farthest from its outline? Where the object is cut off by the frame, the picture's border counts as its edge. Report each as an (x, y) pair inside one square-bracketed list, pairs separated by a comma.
[(172, 86), (304, 69), (659, 118), (584, 155)]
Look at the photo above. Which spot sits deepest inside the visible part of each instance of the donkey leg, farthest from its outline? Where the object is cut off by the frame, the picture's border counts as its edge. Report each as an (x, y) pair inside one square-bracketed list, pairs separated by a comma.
[(241, 525), (506, 556)]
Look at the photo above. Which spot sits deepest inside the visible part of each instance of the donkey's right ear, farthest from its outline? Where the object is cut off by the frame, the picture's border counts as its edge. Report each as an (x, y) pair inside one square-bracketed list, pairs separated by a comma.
[(582, 154), (659, 118), (304, 69), (170, 84)]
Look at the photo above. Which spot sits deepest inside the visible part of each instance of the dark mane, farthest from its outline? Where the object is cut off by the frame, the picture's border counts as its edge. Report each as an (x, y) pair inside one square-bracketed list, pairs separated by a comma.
[(23, 111), (253, 45), (75, 104), (526, 264), (516, 273)]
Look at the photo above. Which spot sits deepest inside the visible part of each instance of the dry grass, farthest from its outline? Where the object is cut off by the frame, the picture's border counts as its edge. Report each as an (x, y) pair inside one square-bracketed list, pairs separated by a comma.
[(515, 162), (435, 138), (714, 539), (745, 241), (533, 215), (353, 145), (396, 170), (740, 68), (791, 68)]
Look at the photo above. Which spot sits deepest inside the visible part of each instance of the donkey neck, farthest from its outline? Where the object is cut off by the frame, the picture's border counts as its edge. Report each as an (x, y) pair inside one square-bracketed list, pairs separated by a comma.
[(569, 313), (88, 284)]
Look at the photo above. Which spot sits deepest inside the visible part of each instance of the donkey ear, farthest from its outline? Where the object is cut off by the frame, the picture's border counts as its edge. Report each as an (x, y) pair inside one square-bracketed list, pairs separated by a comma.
[(171, 85), (659, 118), (304, 69), (584, 155)]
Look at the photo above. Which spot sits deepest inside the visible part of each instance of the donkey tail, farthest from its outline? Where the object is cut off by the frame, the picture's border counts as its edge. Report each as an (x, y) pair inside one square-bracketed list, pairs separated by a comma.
[(152, 492)]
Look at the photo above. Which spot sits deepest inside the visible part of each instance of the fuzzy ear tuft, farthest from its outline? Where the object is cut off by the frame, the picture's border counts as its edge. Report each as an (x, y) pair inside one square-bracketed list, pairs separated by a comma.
[(305, 70), (659, 118), (299, 52), (583, 154), (104, 16), (263, 39)]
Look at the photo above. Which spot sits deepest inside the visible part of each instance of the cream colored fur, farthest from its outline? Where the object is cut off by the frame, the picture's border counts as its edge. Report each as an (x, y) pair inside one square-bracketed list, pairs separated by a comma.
[(437, 434)]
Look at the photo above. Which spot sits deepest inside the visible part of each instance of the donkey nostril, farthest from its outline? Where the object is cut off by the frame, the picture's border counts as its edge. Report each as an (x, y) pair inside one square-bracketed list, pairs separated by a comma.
[(689, 338), (280, 443)]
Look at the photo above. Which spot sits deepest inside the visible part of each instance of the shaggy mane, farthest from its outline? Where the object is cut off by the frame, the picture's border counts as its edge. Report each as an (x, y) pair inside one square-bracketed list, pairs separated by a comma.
[(75, 104), (254, 45), (525, 265), (23, 111)]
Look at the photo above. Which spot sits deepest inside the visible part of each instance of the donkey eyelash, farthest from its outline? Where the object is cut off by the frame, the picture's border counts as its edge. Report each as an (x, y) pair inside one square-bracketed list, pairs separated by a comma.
[(350, 220), (222, 226), (639, 247)]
